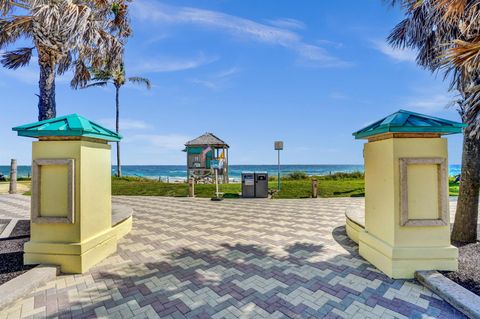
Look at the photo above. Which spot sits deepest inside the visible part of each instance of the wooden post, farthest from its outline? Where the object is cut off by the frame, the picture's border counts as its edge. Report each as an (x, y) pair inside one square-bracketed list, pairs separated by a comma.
[(226, 165), (13, 177), (216, 182), (191, 187), (188, 164), (314, 188)]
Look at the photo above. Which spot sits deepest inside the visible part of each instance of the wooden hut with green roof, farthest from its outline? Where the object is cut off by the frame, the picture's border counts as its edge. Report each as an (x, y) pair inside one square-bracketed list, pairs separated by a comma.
[(201, 151)]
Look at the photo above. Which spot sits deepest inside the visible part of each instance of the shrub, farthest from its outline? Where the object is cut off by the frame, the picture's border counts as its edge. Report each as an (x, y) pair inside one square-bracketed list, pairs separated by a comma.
[(342, 175), (297, 175), (130, 179)]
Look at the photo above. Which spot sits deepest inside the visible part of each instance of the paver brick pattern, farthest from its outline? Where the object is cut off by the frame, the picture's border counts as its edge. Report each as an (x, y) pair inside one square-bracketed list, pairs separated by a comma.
[(14, 207), (193, 258)]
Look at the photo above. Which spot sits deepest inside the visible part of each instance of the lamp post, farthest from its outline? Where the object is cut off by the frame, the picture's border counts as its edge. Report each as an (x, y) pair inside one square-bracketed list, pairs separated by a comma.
[(278, 147)]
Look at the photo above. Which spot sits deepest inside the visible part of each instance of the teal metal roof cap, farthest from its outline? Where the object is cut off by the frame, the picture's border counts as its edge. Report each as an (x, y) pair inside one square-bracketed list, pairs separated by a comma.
[(410, 122), (68, 125)]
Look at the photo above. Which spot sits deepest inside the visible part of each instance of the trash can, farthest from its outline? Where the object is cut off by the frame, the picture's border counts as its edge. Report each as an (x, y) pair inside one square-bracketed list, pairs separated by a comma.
[(248, 185), (261, 185)]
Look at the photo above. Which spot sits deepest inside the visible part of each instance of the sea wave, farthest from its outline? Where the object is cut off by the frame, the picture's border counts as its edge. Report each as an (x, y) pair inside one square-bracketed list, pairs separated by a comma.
[(179, 172)]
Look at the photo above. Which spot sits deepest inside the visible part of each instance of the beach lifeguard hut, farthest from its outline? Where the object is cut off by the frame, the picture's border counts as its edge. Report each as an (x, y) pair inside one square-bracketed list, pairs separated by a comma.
[(201, 151)]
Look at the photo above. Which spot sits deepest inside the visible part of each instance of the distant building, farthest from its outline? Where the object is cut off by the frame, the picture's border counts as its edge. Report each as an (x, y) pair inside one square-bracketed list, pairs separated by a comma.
[(200, 153)]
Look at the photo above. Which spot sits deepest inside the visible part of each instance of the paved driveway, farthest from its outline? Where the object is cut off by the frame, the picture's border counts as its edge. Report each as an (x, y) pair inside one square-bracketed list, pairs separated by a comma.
[(193, 258)]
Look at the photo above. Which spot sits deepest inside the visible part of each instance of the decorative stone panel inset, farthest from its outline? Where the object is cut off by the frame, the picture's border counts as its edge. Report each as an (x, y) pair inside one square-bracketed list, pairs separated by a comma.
[(441, 218), (39, 216)]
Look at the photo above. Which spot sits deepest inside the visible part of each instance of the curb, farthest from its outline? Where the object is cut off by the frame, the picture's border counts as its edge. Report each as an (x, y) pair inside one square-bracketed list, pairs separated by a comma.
[(25, 283), (460, 298)]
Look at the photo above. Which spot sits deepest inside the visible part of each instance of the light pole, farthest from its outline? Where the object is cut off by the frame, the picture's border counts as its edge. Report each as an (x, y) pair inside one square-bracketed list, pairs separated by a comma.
[(278, 147)]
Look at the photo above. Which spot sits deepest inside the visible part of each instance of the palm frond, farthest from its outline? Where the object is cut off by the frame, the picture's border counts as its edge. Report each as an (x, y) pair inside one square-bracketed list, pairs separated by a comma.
[(101, 75), (14, 28), (141, 81), (17, 58), (398, 36), (452, 9), (465, 54), (64, 63), (6, 6), (120, 22), (95, 84), (81, 75)]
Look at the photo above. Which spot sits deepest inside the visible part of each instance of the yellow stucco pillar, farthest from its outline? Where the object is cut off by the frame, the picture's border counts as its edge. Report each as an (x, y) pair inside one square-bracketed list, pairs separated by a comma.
[(407, 224), (71, 217)]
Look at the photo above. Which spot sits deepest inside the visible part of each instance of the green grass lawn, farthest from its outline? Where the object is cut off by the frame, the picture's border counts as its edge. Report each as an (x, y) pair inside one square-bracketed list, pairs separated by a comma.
[(289, 188), (336, 185), (453, 187)]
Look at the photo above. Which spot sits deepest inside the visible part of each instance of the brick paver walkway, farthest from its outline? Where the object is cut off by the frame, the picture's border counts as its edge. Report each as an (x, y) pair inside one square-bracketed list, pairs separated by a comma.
[(14, 206), (193, 258)]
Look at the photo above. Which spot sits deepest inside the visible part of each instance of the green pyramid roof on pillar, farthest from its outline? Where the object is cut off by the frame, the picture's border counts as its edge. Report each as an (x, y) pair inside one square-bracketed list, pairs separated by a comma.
[(67, 126), (410, 122)]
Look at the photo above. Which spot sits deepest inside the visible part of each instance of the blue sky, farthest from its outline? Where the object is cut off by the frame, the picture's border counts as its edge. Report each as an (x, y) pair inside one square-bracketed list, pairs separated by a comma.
[(251, 72)]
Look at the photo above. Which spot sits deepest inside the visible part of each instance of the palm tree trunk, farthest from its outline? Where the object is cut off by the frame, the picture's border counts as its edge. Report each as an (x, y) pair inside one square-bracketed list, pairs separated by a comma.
[(466, 217), (117, 127), (46, 100)]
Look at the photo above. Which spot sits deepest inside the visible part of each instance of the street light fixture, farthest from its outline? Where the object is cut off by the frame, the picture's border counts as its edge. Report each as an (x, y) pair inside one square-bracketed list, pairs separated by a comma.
[(278, 147)]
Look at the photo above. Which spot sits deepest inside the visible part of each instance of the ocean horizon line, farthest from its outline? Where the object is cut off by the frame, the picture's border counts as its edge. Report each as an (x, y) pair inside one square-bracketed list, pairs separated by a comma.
[(179, 172)]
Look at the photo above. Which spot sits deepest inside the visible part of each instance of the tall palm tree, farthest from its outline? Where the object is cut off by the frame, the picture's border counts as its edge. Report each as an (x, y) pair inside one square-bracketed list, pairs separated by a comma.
[(66, 34), (117, 78), (436, 28)]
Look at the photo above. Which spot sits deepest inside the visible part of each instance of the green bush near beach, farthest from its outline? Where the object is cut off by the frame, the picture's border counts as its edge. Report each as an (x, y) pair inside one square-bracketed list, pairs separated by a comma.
[(296, 175)]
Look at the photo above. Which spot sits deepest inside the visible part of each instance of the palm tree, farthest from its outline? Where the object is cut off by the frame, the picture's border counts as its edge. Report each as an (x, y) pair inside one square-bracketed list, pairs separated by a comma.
[(66, 34), (437, 29), (465, 52), (117, 78)]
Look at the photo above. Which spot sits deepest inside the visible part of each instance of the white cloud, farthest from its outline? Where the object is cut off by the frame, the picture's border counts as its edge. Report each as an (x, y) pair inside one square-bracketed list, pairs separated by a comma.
[(30, 73), (171, 64), (287, 23), (206, 83), (312, 55), (154, 12), (227, 72), (160, 143), (431, 103), (334, 44), (125, 124), (154, 149), (156, 38), (217, 80), (399, 55)]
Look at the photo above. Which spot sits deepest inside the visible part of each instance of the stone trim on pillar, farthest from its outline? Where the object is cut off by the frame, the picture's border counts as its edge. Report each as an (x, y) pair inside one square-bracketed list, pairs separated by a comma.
[(442, 172), (36, 193)]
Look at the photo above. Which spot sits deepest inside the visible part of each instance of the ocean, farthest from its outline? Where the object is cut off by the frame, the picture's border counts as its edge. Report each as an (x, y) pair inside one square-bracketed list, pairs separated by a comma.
[(179, 172)]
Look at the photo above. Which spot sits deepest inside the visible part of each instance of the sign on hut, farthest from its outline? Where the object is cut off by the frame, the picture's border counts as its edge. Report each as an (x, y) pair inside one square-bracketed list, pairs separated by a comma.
[(204, 154)]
